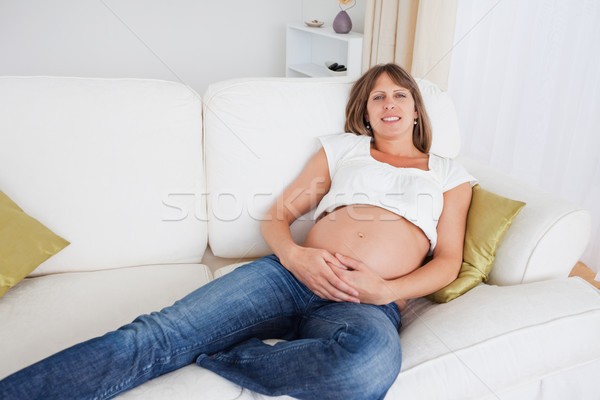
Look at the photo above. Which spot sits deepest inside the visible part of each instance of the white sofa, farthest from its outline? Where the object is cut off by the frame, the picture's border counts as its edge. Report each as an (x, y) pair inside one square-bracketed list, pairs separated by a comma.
[(140, 175)]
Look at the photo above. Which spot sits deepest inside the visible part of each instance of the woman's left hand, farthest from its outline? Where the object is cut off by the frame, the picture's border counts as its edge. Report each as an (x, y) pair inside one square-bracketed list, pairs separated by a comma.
[(372, 289)]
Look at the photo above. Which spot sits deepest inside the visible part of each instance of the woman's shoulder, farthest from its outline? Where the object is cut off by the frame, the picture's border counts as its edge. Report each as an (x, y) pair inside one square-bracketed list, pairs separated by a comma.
[(449, 172), (443, 162), (439, 163), (339, 146)]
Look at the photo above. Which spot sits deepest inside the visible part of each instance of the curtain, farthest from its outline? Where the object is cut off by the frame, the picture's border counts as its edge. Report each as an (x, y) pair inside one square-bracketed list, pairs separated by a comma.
[(416, 34), (525, 80)]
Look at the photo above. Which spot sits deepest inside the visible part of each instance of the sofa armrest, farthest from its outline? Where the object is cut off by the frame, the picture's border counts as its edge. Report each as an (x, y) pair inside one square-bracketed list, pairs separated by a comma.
[(545, 240)]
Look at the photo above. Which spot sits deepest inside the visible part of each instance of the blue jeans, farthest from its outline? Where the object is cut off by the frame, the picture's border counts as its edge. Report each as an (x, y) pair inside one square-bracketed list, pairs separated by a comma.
[(334, 350)]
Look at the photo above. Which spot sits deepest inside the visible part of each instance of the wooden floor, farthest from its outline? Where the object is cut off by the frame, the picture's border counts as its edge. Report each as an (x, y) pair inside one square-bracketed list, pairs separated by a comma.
[(582, 270)]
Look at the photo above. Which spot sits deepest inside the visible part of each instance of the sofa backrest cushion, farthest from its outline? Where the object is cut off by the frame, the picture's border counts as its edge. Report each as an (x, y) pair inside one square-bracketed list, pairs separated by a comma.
[(259, 134), (114, 166)]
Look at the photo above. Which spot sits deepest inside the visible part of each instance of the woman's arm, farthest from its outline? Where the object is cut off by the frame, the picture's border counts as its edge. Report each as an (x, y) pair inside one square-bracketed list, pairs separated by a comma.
[(437, 273), (311, 266)]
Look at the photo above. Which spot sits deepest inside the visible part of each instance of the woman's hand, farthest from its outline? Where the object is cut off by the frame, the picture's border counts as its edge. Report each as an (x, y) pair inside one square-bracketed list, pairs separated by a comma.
[(314, 268), (372, 289)]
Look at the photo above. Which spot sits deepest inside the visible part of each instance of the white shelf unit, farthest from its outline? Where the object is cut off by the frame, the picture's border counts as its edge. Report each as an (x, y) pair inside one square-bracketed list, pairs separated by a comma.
[(307, 50)]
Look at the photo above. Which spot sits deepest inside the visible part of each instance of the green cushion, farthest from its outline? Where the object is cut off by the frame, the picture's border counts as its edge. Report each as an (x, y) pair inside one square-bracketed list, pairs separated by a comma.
[(489, 217), (24, 244)]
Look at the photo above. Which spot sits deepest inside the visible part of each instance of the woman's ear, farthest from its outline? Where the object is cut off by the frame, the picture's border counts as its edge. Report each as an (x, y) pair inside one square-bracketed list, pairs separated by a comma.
[(366, 116)]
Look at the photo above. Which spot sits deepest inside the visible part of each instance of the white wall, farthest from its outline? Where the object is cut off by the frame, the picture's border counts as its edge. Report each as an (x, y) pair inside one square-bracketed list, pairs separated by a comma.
[(196, 42)]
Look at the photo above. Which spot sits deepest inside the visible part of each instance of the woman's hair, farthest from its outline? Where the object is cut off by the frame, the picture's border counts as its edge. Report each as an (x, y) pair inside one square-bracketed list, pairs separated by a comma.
[(359, 95)]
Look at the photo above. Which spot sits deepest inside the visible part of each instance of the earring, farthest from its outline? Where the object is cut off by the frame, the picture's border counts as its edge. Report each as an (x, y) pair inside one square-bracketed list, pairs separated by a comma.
[(415, 121), (368, 126)]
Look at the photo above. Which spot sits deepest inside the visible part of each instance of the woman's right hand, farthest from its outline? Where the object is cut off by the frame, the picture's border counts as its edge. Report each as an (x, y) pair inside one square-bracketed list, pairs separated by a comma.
[(313, 267)]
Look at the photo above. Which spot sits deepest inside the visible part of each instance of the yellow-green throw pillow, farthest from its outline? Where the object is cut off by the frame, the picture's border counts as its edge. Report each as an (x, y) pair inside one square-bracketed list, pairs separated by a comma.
[(24, 244), (489, 217)]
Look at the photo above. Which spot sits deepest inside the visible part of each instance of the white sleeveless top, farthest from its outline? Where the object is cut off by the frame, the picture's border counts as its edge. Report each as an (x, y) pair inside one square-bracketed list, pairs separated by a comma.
[(412, 193)]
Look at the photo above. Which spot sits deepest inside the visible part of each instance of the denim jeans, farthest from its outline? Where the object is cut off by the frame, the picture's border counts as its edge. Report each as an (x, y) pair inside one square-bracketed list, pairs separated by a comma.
[(333, 350)]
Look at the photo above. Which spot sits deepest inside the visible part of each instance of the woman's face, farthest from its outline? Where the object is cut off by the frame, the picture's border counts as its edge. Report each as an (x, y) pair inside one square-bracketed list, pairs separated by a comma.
[(390, 109)]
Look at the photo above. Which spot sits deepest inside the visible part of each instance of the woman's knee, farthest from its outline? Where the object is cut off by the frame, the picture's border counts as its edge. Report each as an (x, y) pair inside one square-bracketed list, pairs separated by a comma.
[(380, 365), (368, 371)]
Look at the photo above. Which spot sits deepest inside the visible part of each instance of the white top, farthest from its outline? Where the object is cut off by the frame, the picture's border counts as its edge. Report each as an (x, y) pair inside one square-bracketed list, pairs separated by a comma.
[(412, 193)]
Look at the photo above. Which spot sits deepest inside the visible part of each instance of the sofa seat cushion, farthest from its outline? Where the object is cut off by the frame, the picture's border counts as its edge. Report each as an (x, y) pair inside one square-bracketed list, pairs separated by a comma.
[(496, 338), (228, 268), (46, 314), (188, 383), (493, 339)]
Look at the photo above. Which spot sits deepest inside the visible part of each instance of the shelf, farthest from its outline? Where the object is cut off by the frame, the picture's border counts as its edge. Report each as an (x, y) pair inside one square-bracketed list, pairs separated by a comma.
[(307, 50), (326, 31), (312, 70)]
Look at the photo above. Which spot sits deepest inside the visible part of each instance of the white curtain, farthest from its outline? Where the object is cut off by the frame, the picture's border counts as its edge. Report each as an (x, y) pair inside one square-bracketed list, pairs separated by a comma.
[(416, 34), (525, 79)]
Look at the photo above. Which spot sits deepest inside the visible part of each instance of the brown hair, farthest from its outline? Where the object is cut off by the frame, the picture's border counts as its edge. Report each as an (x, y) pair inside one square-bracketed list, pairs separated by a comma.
[(359, 95)]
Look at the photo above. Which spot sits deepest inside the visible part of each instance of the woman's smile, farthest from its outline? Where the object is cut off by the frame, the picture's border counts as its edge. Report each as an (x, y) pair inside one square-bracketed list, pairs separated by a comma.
[(390, 108)]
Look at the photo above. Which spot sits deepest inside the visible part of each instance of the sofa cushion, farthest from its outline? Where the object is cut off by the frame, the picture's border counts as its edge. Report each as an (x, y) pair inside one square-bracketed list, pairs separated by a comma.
[(24, 243), (114, 165), (46, 314), (489, 217), (259, 134), (443, 118), (545, 240), (495, 338), (189, 383)]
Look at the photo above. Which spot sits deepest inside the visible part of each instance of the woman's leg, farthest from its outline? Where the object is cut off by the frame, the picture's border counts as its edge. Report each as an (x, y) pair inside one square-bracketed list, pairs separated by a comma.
[(343, 351), (253, 301)]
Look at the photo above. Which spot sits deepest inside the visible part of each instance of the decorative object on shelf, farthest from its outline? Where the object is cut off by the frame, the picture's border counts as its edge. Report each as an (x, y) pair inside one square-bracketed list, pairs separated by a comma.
[(314, 23), (342, 22), (335, 69)]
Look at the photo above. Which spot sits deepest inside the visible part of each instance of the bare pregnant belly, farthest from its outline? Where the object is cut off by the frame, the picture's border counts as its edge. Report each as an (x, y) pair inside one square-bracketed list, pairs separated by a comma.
[(385, 242)]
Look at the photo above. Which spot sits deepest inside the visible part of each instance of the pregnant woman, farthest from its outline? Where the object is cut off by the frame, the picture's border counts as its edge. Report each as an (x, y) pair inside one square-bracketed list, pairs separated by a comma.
[(390, 227)]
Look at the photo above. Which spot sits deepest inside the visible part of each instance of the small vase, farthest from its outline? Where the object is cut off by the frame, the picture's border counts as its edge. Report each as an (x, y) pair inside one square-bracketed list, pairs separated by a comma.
[(342, 22)]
